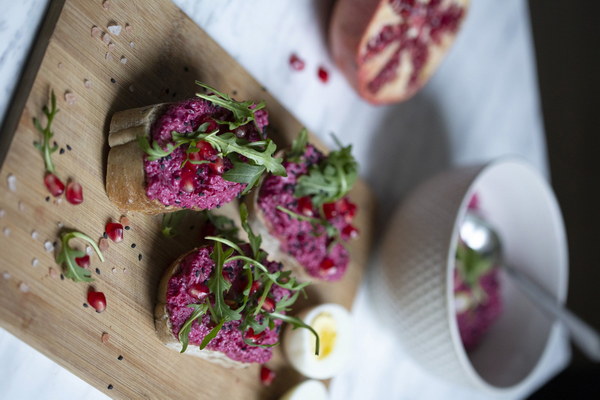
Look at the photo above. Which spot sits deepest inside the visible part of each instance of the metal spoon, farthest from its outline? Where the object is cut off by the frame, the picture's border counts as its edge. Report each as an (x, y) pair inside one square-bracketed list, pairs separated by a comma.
[(480, 236)]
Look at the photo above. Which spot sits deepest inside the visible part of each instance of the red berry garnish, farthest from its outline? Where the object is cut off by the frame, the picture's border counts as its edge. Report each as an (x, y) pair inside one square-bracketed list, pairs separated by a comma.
[(83, 262), (349, 232), (114, 231), (327, 266), (269, 305), (54, 185), (96, 300), (74, 193), (330, 210), (296, 62), (218, 166), (305, 206), (198, 290), (255, 286), (323, 74), (266, 375), (254, 336)]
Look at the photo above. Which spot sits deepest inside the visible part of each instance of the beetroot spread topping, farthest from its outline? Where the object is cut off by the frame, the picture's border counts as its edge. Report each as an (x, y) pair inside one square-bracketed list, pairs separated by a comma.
[(310, 227), (194, 272), (200, 156)]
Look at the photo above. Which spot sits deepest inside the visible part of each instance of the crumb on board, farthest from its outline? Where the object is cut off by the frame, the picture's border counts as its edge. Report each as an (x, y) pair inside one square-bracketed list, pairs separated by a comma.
[(23, 287), (70, 98), (103, 244), (108, 56), (35, 262), (128, 28), (131, 44), (11, 181), (105, 337), (106, 4), (53, 273), (96, 32), (6, 231), (105, 38), (88, 85), (111, 46), (34, 234)]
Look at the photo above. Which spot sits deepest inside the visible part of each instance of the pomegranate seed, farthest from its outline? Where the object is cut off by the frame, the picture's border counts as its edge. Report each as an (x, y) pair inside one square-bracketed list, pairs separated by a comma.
[(305, 206), (266, 375), (327, 266), (83, 262), (323, 74), (218, 166), (187, 180), (96, 300), (74, 193), (198, 290), (330, 210), (349, 232), (206, 152), (54, 185), (296, 62), (255, 286), (114, 231), (269, 305), (254, 336)]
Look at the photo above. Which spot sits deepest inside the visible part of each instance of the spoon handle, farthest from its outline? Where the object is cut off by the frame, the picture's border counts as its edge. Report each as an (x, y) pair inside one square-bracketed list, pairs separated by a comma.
[(584, 336)]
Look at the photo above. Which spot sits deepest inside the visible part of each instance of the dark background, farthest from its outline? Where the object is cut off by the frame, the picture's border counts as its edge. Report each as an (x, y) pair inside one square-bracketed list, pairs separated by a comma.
[(566, 35)]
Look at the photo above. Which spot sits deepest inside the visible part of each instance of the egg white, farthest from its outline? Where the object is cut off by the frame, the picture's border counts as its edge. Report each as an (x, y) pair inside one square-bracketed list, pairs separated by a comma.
[(310, 389)]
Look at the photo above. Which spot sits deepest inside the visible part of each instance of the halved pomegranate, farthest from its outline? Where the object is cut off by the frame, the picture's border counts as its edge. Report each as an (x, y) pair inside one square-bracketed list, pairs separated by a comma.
[(388, 49)]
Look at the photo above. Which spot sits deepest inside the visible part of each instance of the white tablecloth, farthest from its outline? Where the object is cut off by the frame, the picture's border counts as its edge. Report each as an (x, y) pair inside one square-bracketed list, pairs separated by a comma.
[(482, 103)]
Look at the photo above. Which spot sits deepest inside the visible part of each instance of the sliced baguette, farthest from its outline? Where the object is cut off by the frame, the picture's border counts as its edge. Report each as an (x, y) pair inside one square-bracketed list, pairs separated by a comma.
[(125, 175), (165, 331)]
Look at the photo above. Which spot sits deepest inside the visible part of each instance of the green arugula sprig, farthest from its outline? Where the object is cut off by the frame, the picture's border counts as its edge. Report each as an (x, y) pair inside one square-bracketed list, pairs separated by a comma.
[(243, 112), (330, 229), (249, 311), (47, 134), (67, 255), (472, 265)]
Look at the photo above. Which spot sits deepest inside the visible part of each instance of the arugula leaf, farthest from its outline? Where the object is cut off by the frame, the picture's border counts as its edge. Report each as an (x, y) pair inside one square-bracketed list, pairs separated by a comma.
[(472, 265), (298, 323), (47, 133), (218, 285), (298, 146), (254, 240), (244, 173), (224, 225), (184, 332), (331, 230), (211, 335), (170, 221), (154, 151), (242, 111), (331, 179), (67, 255)]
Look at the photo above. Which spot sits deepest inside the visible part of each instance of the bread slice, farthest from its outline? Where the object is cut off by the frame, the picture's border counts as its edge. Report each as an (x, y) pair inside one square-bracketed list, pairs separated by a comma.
[(125, 175), (165, 331)]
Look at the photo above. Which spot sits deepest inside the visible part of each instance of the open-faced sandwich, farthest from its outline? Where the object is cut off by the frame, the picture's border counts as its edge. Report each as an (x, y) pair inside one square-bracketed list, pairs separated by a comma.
[(197, 154), (306, 216), (226, 301)]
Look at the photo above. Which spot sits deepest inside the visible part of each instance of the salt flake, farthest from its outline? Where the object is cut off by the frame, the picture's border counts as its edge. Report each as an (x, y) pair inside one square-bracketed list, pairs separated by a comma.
[(11, 180), (114, 29)]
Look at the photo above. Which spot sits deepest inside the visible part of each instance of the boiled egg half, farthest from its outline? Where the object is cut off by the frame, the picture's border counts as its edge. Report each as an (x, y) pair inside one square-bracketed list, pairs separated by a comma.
[(332, 323), (307, 390)]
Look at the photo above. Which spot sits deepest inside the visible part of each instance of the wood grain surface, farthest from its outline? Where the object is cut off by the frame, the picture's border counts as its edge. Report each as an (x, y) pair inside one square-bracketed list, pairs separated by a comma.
[(168, 53)]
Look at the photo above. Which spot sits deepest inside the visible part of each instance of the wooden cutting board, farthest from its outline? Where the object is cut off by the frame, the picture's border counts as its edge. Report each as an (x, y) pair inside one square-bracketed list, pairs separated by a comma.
[(157, 60)]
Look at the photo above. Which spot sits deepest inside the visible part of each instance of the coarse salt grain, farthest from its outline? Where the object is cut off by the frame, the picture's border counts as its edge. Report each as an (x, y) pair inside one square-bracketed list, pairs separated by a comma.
[(59, 65), (103, 244), (113, 270), (88, 250), (35, 235), (35, 262), (53, 273), (123, 60), (6, 231), (6, 275), (111, 46), (106, 4), (49, 246), (131, 88), (60, 224), (128, 28), (96, 32), (21, 206), (11, 180), (105, 337), (131, 44), (115, 29), (70, 98), (87, 83), (108, 56), (23, 287), (2, 213), (105, 38)]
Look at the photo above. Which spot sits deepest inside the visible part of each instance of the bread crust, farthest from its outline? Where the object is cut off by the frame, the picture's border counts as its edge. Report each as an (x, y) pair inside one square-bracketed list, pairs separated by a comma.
[(165, 331), (125, 175)]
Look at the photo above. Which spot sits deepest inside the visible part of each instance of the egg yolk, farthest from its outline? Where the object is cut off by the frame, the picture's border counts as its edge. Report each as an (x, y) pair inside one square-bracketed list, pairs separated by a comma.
[(325, 326)]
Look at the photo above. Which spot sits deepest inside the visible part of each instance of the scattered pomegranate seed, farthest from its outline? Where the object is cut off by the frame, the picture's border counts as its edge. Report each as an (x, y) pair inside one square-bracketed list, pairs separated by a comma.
[(96, 300), (266, 375), (255, 286), (323, 74), (83, 262), (296, 62), (218, 166), (206, 150), (330, 210), (269, 305), (74, 193), (103, 244), (305, 206), (187, 180), (254, 336), (327, 266), (349, 232), (198, 290), (114, 231), (54, 185)]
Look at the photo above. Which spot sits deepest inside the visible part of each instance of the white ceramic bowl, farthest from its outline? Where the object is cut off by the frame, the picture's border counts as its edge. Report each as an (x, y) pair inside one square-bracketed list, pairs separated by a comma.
[(413, 282)]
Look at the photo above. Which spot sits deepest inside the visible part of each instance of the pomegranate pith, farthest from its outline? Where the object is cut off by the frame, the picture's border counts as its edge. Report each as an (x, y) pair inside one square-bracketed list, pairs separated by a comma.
[(54, 185), (96, 300), (266, 375), (114, 231), (74, 193)]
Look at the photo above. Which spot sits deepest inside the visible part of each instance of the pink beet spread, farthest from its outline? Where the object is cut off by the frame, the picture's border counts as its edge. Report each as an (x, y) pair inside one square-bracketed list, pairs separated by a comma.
[(307, 244), (196, 268), (164, 176)]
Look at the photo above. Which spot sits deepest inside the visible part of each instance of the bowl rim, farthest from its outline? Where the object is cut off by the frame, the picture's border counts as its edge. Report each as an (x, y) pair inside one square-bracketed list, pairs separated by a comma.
[(459, 349)]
